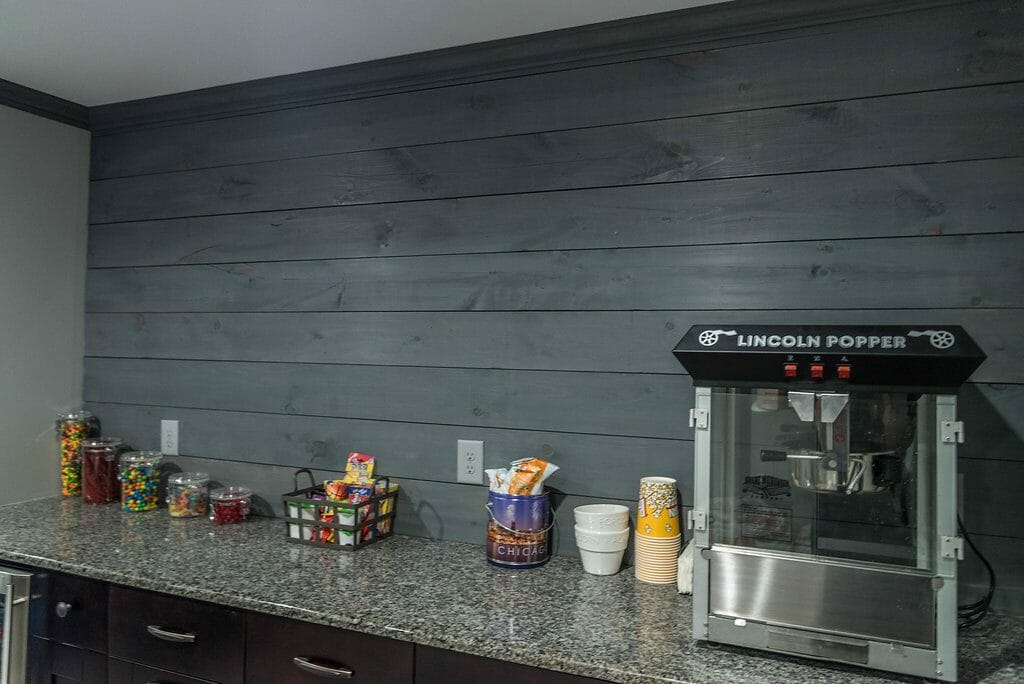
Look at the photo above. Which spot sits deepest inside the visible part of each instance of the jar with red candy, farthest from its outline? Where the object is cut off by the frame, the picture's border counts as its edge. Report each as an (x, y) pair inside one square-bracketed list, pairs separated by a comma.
[(99, 469), (230, 505)]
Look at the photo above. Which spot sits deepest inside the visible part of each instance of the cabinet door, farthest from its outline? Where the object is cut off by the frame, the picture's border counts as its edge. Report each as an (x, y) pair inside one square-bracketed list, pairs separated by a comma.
[(53, 663), (176, 634), (69, 609), (123, 672), (280, 650), (437, 666)]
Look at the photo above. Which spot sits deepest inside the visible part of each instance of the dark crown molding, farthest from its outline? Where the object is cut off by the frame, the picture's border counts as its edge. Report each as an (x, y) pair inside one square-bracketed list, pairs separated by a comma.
[(42, 104), (695, 28)]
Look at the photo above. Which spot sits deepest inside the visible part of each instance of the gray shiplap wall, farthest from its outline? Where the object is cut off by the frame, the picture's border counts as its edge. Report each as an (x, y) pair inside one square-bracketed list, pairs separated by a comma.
[(512, 259)]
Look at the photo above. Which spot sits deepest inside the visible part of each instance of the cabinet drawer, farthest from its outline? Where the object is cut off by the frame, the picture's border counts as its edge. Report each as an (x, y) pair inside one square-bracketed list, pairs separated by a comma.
[(437, 666), (274, 643), (123, 672), (181, 635), (69, 609)]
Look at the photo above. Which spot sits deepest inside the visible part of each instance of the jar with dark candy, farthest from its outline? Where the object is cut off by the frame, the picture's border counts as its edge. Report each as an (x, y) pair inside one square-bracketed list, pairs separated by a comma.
[(99, 469)]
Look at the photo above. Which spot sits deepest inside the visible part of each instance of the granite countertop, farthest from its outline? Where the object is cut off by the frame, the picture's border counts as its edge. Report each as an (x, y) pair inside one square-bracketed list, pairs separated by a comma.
[(435, 593)]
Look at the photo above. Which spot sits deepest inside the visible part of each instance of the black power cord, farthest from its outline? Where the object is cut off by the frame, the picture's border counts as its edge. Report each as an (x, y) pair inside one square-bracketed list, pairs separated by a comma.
[(972, 613)]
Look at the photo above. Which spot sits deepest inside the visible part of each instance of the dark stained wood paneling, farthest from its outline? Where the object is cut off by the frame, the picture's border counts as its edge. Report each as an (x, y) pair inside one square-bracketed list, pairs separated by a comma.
[(615, 341), (1006, 554), (593, 403), (843, 274), (967, 123), (590, 465), (949, 47), (901, 201), (993, 416), (992, 493), (661, 34)]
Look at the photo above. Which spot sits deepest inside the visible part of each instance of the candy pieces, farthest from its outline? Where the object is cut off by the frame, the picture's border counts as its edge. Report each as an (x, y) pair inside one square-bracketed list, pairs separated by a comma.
[(229, 505), (73, 428), (140, 480), (188, 495)]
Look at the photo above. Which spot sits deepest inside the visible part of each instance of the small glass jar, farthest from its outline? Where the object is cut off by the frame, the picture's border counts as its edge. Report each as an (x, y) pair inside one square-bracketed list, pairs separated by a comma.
[(188, 495), (230, 505), (140, 479), (99, 469), (72, 428)]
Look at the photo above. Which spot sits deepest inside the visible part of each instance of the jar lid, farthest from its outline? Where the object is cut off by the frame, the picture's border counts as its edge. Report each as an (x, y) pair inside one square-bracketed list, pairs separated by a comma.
[(81, 415), (230, 493), (142, 457), (188, 479), (101, 442)]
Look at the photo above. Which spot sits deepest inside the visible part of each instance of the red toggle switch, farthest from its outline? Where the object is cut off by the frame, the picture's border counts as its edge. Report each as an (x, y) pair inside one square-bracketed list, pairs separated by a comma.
[(844, 371), (817, 371), (789, 369)]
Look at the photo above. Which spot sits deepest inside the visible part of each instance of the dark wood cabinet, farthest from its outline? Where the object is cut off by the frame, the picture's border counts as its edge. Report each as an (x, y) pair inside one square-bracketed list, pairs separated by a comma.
[(197, 639), (438, 666), (280, 650), (86, 631), (69, 610), (50, 662), (124, 672)]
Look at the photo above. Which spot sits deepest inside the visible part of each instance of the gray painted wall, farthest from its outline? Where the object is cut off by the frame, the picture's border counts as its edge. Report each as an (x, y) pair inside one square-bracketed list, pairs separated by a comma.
[(512, 260), (44, 184)]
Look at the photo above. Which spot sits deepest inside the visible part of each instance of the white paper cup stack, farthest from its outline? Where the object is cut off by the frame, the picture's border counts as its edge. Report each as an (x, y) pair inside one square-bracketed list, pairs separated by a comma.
[(602, 533), (658, 536)]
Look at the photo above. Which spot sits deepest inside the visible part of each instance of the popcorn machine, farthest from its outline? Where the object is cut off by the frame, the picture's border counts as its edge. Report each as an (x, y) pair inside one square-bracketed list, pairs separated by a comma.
[(825, 490)]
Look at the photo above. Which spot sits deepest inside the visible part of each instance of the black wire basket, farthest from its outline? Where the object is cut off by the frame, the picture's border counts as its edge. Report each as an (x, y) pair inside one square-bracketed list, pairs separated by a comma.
[(313, 519)]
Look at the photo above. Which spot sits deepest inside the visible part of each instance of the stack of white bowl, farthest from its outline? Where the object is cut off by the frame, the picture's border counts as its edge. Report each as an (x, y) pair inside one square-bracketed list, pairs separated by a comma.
[(658, 537), (602, 533)]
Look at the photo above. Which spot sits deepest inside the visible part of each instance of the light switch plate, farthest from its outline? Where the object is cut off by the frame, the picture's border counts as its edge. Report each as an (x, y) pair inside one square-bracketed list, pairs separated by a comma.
[(169, 437)]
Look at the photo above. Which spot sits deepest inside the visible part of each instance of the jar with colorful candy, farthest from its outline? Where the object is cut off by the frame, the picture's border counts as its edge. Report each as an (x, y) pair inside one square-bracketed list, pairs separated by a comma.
[(99, 469), (72, 428), (230, 505), (140, 479), (188, 495)]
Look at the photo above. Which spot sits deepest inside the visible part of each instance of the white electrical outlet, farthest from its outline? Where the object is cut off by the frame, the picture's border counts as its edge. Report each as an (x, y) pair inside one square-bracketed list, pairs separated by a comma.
[(169, 437), (470, 462)]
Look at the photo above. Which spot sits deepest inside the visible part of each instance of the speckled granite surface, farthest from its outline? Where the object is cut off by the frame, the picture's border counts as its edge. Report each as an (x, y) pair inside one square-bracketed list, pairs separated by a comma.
[(440, 594)]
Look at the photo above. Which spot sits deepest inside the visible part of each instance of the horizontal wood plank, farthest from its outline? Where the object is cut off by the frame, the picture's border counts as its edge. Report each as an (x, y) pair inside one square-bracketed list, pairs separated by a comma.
[(951, 125), (591, 403), (991, 494), (932, 272), (589, 465), (630, 341), (993, 416), (1006, 554), (944, 48), (955, 198)]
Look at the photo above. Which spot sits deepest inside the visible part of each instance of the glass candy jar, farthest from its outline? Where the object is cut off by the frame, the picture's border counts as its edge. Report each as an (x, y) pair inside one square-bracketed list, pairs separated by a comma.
[(72, 428), (99, 469), (188, 495), (140, 479), (230, 505)]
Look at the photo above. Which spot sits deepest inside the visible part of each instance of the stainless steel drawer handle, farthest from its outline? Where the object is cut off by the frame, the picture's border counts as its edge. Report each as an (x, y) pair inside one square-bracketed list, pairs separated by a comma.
[(176, 637), (322, 670), (62, 609)]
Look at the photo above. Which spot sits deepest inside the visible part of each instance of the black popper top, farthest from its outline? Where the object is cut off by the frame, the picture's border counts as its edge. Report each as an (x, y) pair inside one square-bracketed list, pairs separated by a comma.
[(921, 358)]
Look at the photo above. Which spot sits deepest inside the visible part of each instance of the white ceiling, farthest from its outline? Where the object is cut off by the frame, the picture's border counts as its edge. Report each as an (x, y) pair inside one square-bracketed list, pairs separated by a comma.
[(101, 51)]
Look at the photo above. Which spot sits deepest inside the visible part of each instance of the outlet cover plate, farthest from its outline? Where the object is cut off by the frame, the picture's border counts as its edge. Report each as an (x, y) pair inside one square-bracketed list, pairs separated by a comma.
[(470, 461)]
